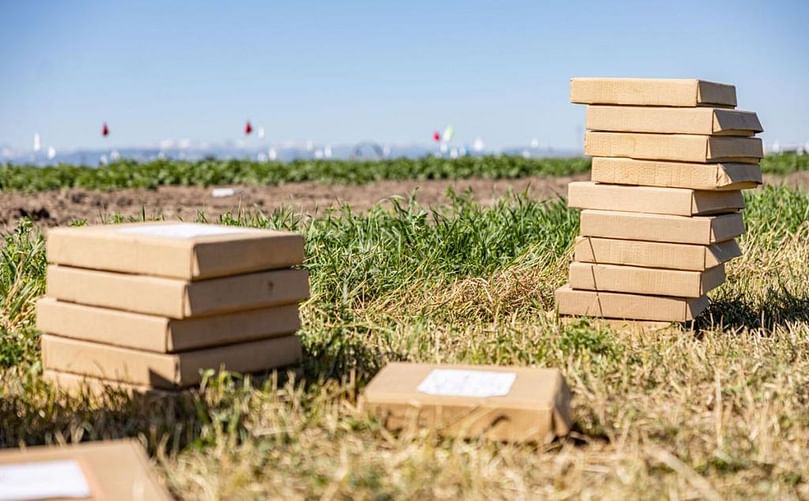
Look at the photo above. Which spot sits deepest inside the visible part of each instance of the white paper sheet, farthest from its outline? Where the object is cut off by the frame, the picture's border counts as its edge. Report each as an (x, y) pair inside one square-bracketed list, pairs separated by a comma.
[(42, 480), (467, 383), (181, 230)]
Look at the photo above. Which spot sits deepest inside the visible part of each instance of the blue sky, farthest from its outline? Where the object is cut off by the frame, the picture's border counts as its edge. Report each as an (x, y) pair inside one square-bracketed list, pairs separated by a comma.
[(343, 72)]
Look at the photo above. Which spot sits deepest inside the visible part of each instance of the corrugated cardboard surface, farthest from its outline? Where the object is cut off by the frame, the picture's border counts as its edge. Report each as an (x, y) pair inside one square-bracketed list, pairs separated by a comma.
[(662, 120), (537, 407), (637, 280), (628, 306), (652, 199), (654, 254), (651, 92), (165, 371), (675, 147), (119, 469), (702, 230), (177, 298), (725, 177), (178, 254), (161, 334)]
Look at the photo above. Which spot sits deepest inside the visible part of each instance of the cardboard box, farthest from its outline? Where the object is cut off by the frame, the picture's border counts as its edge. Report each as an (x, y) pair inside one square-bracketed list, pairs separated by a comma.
[(164, 370), (115, 470), (161, 334), (500, 403), (661, 120), (652, 281), (78, 385), (175, 298), (651, 92), (652, 199), (675, 147), (654, 254), (176, 250), (720, 177), (628, 306), (703, 230)]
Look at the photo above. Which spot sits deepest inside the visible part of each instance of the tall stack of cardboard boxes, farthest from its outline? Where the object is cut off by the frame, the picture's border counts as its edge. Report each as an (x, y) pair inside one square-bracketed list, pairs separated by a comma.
[(660, 217), (149, 306)]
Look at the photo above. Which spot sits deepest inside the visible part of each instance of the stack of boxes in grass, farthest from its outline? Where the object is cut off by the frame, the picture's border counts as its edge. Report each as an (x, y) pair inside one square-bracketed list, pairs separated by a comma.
[(150, 306), (660, 217)]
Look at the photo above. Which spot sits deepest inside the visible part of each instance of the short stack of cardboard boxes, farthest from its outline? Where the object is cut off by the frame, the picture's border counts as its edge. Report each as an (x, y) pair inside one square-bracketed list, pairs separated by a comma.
[(149, 306), (660, 217)]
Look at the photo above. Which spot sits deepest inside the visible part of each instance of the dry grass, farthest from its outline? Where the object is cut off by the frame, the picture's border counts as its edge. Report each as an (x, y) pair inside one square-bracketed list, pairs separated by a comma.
[(717, 411)]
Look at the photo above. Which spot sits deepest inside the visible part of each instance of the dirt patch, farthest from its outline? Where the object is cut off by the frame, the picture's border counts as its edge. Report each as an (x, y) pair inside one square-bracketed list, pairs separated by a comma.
[(61, 207), (172, 202)]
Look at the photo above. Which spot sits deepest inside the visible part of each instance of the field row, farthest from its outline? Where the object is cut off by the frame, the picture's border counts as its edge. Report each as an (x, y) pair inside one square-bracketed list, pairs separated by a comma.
[(130, 174)]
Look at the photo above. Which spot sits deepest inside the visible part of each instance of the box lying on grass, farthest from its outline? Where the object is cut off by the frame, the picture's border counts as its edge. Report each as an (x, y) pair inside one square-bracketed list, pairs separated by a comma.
[(159, 330), (660, 217), (109, 470), (499, 403)]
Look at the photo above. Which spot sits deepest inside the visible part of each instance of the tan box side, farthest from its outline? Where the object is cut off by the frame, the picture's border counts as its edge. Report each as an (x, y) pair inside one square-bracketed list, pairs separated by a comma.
[(77, 385), (717, 177), (703, 230), (118, 469), (165, 371), (110, 248), (652, 200), (536, 409), (674, 147), (651, 92), (160, 334), (177, 298), (628, 306), (667, 120), (652, 281), (654, 254)]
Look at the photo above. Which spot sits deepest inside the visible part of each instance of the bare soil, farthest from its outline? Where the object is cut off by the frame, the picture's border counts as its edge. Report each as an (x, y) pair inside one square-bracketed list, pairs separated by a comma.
[(61, 207)]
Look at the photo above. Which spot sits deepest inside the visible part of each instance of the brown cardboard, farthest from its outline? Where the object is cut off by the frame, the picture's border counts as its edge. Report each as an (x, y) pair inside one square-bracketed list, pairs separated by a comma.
[(703, 230), (654, 254), (652, 199), (165, 371), (171, 249), (536, 409), (661, 120), (175, 298), (675, 147), (651, 92), (77, 385), (723, 177), (628, 306), (161, 334), (116, 470), (652, 281)]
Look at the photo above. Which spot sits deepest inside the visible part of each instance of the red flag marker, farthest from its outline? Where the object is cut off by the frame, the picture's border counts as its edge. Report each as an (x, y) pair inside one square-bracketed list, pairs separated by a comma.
[(248, 128), (436, 136), (105, 131)]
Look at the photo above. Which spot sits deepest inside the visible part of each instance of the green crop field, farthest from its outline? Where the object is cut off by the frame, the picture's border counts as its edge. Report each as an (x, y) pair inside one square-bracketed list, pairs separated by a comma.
[(128, 174), (718, 410)]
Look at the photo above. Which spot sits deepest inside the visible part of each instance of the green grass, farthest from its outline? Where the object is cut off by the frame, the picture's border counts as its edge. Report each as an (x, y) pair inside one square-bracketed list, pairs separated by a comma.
[(721, 411), (129, 174)]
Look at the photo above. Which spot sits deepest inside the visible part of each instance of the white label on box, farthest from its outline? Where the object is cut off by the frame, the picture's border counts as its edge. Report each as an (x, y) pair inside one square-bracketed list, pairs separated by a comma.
[(467, 383), (44, 480), (181, 230)]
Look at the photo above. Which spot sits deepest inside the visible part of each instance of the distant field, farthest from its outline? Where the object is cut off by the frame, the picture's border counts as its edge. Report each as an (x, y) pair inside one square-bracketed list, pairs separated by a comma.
[(126, 174), (717, 412)]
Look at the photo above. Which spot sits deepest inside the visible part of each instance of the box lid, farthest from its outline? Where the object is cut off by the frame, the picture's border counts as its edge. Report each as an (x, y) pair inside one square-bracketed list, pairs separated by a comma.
[(628, 306), (118, 469), (674, 147), (651, 92), (710, 177), (667, 120), (652, 199), (702, 230), (654, 254), (638, 280), (174, 249)]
